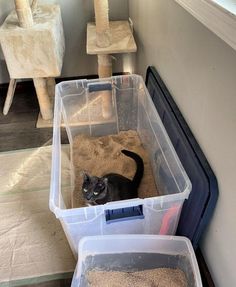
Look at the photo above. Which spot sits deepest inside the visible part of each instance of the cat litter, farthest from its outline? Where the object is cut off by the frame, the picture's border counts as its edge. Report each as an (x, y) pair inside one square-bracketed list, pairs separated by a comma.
[(159, 277), (131, 111)]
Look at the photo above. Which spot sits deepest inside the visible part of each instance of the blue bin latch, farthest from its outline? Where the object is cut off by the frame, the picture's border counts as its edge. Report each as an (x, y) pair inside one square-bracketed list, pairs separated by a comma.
[(98, 87), (123, 214)]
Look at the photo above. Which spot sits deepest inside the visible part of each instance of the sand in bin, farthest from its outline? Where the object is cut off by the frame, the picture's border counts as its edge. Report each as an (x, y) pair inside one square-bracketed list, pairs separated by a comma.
[(159, 277), (101, 155)]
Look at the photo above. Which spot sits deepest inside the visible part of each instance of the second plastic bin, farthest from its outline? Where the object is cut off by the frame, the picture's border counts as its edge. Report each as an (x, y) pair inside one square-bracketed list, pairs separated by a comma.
[(80, 105), (129, 253)]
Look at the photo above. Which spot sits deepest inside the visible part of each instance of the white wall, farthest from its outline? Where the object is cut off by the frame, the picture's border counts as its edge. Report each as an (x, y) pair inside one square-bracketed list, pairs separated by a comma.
[(200, 71), (75, 15)]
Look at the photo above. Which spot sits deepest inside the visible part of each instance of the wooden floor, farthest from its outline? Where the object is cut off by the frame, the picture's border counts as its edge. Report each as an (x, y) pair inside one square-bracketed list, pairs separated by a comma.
[(18, 128)]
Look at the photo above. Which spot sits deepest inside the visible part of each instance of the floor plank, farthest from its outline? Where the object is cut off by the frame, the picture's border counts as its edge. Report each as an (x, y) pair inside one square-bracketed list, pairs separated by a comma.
[(18, 128)]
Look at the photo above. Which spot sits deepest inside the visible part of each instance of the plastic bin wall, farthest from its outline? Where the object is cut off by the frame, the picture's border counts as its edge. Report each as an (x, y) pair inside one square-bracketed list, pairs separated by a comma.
[(80, 105)]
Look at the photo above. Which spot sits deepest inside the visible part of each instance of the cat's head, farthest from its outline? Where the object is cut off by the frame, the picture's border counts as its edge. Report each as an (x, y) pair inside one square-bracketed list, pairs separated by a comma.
[(94, 188)]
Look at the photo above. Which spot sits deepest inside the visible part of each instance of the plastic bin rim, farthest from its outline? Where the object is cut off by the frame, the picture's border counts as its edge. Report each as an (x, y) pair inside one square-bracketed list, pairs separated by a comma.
[(167, 198), (120, 237), (96, 80)]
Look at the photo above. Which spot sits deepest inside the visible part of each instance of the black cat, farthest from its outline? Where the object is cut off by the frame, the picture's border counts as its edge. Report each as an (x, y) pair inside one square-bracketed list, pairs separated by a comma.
[(112, 186)]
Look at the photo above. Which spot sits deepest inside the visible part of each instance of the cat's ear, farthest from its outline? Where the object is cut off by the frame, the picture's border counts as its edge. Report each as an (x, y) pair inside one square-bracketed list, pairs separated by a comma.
[(105, 180), (85, 176)]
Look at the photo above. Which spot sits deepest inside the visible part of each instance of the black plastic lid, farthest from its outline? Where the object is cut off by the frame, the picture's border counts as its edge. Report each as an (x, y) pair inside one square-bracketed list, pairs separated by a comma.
[(198, 209)]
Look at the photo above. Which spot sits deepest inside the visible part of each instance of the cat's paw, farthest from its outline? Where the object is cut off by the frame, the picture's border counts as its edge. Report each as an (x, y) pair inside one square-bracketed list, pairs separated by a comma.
[(90, 204)]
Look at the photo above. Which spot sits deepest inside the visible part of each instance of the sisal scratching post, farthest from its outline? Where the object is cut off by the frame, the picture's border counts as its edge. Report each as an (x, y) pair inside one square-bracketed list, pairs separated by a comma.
[(102, 23), (104, 66), (34, 5), (51, 84), (24, 13), (40, 85), (105, 71), (34, 48), (103, 39)]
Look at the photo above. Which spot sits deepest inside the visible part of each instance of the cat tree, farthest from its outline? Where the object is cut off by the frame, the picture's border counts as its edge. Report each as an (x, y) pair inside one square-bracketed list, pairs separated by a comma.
[(33, 44), (105, 38)]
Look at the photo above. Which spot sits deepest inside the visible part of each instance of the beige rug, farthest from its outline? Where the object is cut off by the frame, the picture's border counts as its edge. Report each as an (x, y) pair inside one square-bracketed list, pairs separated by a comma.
[(33, 247)]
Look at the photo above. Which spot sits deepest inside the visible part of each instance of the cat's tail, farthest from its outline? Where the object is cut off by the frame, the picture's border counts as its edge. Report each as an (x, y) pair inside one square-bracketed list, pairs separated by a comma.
[(140, 166)]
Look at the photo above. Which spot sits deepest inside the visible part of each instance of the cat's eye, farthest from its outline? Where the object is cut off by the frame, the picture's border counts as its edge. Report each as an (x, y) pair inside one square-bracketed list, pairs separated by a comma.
[(85, 190), (96, 193)]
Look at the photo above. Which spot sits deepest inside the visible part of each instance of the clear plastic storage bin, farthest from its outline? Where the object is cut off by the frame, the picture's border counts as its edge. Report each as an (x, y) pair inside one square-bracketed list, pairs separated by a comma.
[(102, 107), (129, 253)]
